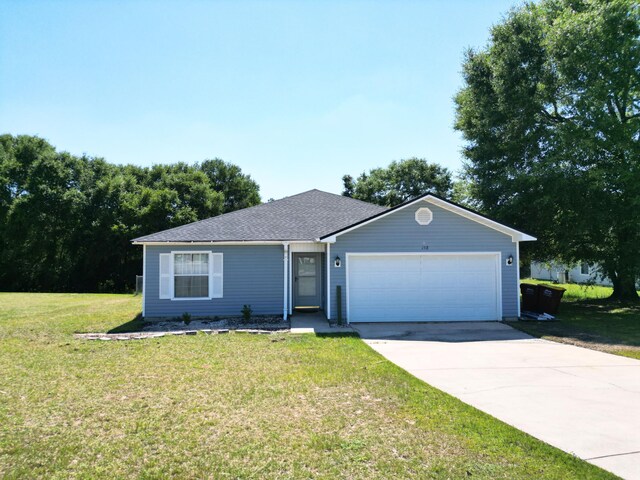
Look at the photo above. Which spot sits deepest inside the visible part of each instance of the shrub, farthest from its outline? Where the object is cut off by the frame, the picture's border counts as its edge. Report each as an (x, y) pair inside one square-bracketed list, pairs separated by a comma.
[(186, 318), (246, 313)]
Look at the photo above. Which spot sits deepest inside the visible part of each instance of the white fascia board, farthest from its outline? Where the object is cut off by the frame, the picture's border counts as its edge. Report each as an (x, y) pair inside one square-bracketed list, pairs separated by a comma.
[(331, 239), (516, 235), (248, 242)]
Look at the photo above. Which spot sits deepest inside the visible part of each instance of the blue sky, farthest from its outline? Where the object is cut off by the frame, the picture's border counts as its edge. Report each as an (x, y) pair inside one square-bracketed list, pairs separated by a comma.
[(295, 93)]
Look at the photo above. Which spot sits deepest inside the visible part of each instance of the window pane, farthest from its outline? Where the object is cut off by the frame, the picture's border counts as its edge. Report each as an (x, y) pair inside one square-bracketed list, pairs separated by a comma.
[(191, 287), (178, 263), (201, 263), (306, 286), (191, 263), (306, 266)]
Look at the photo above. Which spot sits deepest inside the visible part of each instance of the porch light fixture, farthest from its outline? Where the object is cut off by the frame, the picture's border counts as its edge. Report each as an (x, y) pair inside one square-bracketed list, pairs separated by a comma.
[(510, 260), (337, 262)]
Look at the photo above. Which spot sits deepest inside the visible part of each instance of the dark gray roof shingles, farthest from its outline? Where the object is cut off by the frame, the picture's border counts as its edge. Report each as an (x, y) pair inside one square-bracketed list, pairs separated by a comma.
[(305, 216)]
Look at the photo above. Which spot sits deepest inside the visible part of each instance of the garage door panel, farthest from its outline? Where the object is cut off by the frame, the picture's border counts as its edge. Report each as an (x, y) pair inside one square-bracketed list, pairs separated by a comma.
[(422, 288)]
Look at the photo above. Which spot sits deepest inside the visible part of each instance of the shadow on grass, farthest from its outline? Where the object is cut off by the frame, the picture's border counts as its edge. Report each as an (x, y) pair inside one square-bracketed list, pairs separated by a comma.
[(136, 324), (338, 335)]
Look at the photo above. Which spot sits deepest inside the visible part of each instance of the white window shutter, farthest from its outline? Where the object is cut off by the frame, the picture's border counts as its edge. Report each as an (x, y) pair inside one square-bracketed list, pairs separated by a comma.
[(215, 276), (165, 275)]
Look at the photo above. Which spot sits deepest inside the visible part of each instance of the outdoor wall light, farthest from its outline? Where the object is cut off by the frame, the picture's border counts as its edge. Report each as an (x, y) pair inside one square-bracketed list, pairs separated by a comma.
[(510, 260), (337, 262)]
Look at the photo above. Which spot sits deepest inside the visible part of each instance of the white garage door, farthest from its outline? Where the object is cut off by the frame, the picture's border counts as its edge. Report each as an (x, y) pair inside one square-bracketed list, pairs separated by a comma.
[(423, 287)]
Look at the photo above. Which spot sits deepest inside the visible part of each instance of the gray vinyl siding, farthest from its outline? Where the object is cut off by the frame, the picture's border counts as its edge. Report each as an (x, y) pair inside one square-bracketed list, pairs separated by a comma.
[(448, 232), (251, 275)]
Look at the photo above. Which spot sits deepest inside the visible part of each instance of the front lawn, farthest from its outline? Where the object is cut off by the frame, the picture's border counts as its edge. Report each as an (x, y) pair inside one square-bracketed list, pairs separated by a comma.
[(231, 406), (587, 319)]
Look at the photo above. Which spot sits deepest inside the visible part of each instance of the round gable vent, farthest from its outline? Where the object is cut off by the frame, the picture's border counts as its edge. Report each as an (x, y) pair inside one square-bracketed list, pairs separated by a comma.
[(424, 216)]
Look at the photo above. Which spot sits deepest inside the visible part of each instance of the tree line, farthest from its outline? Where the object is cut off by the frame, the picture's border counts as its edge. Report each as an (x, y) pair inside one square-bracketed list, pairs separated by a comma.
[(66, 221)]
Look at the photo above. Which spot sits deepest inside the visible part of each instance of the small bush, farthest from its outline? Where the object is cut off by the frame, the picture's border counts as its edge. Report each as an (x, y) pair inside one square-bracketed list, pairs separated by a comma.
[(246, 313), (186, 318)]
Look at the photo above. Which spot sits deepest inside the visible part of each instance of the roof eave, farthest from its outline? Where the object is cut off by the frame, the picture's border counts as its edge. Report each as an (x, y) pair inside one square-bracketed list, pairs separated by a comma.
[(218, 242)]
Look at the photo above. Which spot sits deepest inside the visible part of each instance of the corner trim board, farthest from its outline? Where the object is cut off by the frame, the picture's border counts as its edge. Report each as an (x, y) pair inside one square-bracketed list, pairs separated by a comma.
[(285, 289), (144, 279), (518, 276), (328, 259)]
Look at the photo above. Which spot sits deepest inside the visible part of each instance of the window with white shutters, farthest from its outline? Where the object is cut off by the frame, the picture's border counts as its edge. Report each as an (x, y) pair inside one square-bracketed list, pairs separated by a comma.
[(191, 275)]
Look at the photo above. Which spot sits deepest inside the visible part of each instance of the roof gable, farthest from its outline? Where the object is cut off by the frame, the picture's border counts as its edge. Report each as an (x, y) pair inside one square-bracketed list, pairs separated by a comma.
[(516, 235)]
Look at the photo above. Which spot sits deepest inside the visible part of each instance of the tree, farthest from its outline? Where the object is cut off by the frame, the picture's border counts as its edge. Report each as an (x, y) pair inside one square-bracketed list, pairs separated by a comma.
[(238, 189), (400, 181), (550, 112), (66, 222)]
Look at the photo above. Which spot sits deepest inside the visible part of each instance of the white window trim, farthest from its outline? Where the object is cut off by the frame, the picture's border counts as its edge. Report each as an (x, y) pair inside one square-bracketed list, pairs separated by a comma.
[(210, 274)]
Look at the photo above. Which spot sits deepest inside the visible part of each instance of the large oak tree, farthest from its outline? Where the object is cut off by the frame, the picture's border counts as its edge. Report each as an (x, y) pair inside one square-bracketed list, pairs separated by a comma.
[(550, 111)]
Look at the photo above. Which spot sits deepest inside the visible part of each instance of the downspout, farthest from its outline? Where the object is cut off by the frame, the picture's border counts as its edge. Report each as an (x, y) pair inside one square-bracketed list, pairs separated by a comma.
[(144, 278), (518, 275), (328, 312), (290, 273), (285, 304)]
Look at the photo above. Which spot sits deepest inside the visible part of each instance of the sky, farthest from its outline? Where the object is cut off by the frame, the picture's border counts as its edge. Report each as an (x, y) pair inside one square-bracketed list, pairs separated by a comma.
[(295, 93)]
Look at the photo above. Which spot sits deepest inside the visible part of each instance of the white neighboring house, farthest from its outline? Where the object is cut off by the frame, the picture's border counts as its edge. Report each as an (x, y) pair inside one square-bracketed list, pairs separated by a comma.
[(581, 273)]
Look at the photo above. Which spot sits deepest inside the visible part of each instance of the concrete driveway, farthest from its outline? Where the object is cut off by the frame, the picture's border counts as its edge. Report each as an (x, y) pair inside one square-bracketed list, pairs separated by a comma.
[(579, 400)]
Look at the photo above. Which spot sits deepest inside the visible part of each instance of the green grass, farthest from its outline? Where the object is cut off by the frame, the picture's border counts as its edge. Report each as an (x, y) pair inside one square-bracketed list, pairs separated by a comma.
[(575, 291), (587, 319), (231, 406)]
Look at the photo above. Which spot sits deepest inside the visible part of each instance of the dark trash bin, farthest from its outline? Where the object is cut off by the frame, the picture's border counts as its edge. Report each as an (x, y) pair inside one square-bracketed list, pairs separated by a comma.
[(549, 298), (529, 293)]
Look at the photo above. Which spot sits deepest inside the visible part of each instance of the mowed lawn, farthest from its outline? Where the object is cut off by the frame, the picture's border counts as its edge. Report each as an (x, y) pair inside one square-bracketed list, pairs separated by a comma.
[(231, 406), (588, 320)]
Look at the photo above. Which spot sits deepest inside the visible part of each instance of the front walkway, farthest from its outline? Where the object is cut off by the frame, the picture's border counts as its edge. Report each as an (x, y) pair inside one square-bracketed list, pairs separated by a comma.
[(582, 401), (314, 322)]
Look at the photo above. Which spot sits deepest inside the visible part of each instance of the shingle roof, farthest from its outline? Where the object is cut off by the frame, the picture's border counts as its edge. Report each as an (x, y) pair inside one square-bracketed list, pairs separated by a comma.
[(305, 216)]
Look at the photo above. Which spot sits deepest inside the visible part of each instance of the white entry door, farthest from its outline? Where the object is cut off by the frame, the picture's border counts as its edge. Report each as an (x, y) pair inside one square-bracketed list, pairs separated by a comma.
[(423, 287)]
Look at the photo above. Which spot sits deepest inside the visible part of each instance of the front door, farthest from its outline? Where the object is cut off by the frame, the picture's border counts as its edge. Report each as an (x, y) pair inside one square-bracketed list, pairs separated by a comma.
[(307, 282)]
